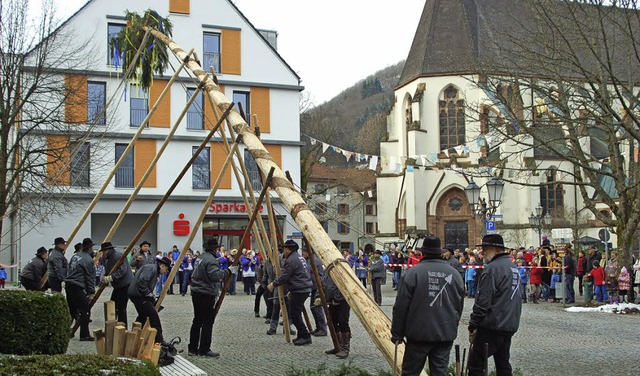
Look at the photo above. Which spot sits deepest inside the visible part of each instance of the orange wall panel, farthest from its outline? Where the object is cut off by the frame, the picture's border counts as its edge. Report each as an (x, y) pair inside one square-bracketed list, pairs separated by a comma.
[(261, 106), (276, 153), (218, 155), (161, 118), (230, 54), (179, 6), (58, 160), (145, 151), (75, 102), (209, 117)]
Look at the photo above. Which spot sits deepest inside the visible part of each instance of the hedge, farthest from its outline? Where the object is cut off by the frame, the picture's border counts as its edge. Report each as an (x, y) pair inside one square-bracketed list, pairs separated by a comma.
[(33, 322), (50, 365)]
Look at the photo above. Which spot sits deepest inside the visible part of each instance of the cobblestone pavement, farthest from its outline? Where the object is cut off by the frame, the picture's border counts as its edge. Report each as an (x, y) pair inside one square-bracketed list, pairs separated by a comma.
[(550, 341)]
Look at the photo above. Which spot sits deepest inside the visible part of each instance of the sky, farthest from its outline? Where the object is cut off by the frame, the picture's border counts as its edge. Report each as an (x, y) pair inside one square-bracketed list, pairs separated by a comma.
[(330, 44)]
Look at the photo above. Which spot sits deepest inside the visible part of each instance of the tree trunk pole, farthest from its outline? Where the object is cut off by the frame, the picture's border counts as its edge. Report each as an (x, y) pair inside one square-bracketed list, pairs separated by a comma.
[(371, 316)]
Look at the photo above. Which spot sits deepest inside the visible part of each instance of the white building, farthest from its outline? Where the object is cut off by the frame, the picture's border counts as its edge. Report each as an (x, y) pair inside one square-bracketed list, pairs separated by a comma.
[(250, 71)]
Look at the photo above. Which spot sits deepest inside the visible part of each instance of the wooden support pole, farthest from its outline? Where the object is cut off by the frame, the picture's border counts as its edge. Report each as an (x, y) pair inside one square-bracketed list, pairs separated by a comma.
[(245, 236), (374, 320)]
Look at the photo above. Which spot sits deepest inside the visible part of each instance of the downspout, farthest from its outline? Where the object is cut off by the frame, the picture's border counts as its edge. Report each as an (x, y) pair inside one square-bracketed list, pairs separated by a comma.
[(433, 193)]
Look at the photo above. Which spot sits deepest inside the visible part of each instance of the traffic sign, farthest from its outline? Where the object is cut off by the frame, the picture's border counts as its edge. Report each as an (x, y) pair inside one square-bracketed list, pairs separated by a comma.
[(490, 226), (604, 235)]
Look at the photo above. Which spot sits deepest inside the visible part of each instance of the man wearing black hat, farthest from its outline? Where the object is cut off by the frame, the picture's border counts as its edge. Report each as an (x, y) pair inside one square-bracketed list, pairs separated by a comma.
[(58, 264), (205, 286), (80, 285), (119, 279), (142, 257), (35, 269), (427, 311), (141, 293), (296, 276), (496, 313)]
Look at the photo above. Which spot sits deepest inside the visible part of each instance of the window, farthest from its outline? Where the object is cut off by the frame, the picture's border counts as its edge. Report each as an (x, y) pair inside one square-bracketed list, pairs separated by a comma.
[(343, 228), (320, 208), (343, 191), (211, 51), (370, 209), (194, 113), (452, 119), (325, 225), (80, 165), (138, 106), (252, 171), (319, 188), (241, 98), (115, 57), (124, 175), (370, 228), (343, 209), (551, 195), (96, 102), (200, 171)]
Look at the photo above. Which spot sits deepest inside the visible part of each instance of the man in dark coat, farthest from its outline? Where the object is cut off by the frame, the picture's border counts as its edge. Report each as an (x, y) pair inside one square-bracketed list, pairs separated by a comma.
[(141, 293), (119, 279), (496, 313), (449, 257), (205, 286), (80, 285), (297, 277), (314, 303), (35, 269), (58, 264), (427, 311), (570, 265), (143, 256)]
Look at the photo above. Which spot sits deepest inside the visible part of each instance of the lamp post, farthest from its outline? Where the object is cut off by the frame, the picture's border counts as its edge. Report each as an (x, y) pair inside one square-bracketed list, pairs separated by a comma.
[(479, 206), (536, 220)]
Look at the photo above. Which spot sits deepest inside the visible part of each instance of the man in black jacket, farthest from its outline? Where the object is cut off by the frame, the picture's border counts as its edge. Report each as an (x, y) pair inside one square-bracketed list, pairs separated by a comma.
[(141, 293), (314, 303), (297, 277), (35, 269), (427, 311), (205, 286), (142, 257), (570, 274), (496, 313), (80, 285), (119, 279), (58, 264)]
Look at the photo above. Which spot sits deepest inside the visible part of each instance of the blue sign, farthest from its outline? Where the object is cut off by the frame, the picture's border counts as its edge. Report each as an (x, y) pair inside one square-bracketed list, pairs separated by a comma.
[(490, 226)]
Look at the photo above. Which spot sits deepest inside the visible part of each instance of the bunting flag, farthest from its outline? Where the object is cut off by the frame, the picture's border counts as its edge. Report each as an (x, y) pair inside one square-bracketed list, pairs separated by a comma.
[(373, 163), (324, 147)]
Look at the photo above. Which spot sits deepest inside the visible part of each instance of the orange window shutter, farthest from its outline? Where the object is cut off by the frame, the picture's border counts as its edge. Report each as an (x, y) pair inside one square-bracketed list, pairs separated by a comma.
[(275, 151), (218, 155), (179, 6), (261, 106), (75, 102), (58, 160), (210, 119), (230, 54), (161, 118), (145, 151)]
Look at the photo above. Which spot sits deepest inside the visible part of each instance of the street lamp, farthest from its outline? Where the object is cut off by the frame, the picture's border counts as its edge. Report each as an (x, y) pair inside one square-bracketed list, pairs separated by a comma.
[(479, 206), (536, 221)]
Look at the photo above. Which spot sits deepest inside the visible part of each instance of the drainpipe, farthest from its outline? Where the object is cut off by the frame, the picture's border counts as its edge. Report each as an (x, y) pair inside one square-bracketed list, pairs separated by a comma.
[(433, 193)]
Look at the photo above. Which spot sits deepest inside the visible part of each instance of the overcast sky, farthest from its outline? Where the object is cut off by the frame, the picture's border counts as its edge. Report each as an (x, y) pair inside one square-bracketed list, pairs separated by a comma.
[(331, 44)]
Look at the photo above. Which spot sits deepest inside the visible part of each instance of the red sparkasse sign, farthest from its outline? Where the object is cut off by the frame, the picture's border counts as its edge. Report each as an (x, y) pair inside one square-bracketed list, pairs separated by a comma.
[(230, 207)]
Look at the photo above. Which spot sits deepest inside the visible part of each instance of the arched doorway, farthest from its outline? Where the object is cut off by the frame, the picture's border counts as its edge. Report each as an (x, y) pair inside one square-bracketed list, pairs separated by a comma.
[(455, 225)]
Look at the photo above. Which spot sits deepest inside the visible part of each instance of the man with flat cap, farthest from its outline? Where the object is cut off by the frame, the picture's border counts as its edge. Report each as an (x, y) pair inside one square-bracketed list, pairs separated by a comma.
[(35, 269), (496, 313), (427, 311), (58, 264), (143, 256), (80, 285), (141, 293), (296, 275), (119, 279), (205, 287)]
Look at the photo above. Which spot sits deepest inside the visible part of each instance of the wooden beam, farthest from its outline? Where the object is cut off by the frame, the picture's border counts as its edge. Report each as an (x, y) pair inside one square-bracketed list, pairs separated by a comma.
[(98, 334), (109, 328), (109, 310), (130, 342), (119, 340)]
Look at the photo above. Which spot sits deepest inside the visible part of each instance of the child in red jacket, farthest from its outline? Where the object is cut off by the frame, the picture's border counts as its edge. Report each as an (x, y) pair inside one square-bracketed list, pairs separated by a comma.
[(535, 280), (598, 275)]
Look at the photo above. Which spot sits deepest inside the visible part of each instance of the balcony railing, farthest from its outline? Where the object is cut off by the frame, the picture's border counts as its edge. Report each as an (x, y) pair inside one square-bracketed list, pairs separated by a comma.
[(138, 111), (201, 178), (194, 120), (124, 177), (211, 59), (254, 178)]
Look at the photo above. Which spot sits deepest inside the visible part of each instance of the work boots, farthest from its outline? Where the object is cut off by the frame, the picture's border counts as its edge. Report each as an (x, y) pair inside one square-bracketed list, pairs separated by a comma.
[(333, 350), (345, 343)]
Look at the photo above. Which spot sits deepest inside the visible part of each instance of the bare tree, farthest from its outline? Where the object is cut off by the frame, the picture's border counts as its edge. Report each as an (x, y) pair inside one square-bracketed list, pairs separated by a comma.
[(562, 104)]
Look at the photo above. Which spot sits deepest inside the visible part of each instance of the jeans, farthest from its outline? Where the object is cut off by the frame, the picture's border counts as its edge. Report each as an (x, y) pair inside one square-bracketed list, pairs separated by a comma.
[(471, 287), (545, 291), (317, 312), (396, 278), (186, 277), (499, 347), (523, 286), (416, 353), (570, 293), (162, 279), (600, 293), (232, 286), (202, 325)]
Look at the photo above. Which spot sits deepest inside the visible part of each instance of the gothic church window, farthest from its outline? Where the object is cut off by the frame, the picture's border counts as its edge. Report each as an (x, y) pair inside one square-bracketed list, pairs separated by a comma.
[(452, 118)]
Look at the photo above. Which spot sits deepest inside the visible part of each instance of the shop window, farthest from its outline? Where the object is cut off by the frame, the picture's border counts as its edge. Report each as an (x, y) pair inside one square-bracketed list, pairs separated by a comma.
[(195, 119), (200, 172), (211, 51), (96, 102), (241, 99), (138, 106), (124, 175), (370, 209), (252, 171), (343, 209), (370, 228), (343, 228), (80, 165)]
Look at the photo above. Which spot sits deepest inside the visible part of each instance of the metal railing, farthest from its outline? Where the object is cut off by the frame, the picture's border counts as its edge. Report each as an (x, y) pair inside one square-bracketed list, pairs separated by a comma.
[(194, 120), (254, 178), (211, 59), (201, 177), (124, 177), (138, 111)]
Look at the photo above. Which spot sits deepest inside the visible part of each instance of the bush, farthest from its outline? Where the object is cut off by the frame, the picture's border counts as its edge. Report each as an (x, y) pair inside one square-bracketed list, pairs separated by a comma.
[(45, 365), (344, 370), (33, 322)]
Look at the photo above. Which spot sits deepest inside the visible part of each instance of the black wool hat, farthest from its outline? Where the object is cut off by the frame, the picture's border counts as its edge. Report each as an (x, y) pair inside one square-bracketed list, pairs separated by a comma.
[(165, 260), (431, 246), (77, 247), (41, 250), (106, 245), (492, 240), (292, 245), (211, 244), (59, 241), (87, 242), (145, 242)]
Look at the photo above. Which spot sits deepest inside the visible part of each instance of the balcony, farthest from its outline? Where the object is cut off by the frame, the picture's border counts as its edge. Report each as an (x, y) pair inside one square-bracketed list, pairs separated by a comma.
[(194, 120), (138, 111), (124, 177)]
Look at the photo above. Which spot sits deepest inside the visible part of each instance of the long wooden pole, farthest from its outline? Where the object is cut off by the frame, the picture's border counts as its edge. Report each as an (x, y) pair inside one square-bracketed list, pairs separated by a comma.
[(203, 212), (245, 236), (158, 207), (369, 313)]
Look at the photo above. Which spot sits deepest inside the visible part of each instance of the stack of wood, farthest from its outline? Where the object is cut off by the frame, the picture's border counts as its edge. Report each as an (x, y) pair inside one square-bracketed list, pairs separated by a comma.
[(116, 340)]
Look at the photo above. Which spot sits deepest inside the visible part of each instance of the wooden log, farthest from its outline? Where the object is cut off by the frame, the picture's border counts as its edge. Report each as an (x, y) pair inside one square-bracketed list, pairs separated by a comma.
[(142, 335), (130, 343), (109, 310), (119, 340), (374, 320), (147, 346), (136, 325), (155, 354), (98, 334), (109, 327)]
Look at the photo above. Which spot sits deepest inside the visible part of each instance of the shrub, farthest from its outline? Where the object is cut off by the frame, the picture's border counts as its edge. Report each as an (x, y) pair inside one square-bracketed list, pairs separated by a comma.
[(33, 322), (45, 365), (344, 370)]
